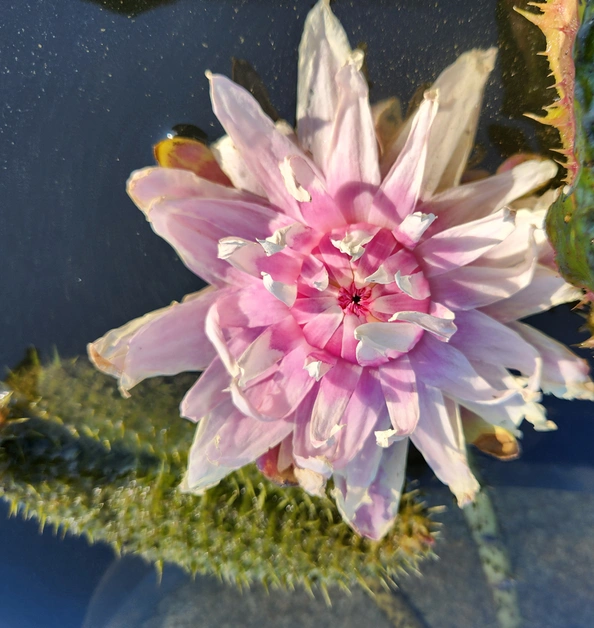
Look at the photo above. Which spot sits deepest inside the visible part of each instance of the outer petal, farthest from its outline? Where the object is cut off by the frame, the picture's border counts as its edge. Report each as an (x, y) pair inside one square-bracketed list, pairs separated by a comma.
[(546, 290), (399, 387), (482, 338), (227, 440), (481, 198), (378, 507), (234, 166), (485, 282), (193, 214), (564, 374), (365, 410), (440, 439), (452, 136), (399, 192), (461, 245), (262, 146), (442, 366), (324, 49), (207, 393), (165, 342), (352, 171), (336, 388)]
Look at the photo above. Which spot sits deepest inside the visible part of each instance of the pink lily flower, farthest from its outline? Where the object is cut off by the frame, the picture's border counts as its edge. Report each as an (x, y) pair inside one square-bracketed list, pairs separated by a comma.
[(361, 297)]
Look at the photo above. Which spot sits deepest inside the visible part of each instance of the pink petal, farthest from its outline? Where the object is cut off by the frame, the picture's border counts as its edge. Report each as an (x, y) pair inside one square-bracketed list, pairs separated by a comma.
[(227, 440), (207, 393), (442, 328), (337, 263), (234, 166), (564, 374), (324, 49), (151, 185), (399, 191), (440, 439), (399, 388), (335, 390), (252, 306), (380, 342), (367, 490), (365, 410), (352, 170), (478, 286), (545, 290), (251, 258), (441, 365), (377, 250), (482, 338), (378, 509), (319, 210), (461, 245), (307, 454), (452, 134), (280, 393), (479, 199), (319, 329), (263, 147), (165, 342)]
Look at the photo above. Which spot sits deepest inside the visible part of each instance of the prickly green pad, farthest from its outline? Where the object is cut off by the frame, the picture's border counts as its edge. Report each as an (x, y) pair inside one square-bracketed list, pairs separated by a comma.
[(87, 461), (570, 220)]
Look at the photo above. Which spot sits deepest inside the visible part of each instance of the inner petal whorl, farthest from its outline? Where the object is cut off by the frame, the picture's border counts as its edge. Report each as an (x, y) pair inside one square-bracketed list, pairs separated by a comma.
[(362, 288)]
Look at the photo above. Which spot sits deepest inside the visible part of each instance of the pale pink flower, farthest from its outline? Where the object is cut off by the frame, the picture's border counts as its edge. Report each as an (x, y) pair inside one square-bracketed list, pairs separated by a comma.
[(358, 300)]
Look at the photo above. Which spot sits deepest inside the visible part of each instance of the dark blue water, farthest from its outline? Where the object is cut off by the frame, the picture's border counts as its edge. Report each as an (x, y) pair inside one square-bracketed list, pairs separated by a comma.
[(86, 92)]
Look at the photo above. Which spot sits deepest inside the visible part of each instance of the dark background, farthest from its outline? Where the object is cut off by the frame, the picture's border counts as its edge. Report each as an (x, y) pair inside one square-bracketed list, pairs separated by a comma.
[(87, 88)]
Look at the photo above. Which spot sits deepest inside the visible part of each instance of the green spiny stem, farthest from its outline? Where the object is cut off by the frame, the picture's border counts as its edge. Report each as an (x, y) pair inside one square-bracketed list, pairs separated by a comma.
[(74, 455)]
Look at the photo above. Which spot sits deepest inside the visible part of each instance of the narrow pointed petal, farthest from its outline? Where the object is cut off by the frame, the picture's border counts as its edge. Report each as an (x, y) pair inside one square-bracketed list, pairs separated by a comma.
[(478, 286), (235, 167), (165, 342), (193, 214), (324, 49), (151, 185), (227, 440), (484, 339), (546, 290), (352, 170), (365, 410), (277, 391), (399, 191), (442, 366), (335, 390), (564, 374), (440, 439), (461, 245), (368, 491), (252, 306), (476, 200), (259, 142), (399, 387), (207, 393)]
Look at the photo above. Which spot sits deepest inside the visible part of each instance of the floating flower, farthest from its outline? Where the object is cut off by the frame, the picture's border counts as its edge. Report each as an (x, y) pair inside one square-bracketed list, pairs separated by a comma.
[(361, 295)]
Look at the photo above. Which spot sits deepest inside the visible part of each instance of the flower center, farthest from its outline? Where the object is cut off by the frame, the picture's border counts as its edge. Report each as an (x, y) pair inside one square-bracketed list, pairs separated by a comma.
[(355, 300)]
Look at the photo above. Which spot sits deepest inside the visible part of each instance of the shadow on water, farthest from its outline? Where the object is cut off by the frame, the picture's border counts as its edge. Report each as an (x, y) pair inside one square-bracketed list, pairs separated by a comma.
[(131, 7)]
